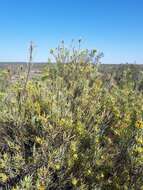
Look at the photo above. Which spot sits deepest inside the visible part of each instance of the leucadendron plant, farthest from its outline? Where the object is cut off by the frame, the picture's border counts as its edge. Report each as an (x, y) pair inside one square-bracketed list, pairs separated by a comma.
[(72, 128)]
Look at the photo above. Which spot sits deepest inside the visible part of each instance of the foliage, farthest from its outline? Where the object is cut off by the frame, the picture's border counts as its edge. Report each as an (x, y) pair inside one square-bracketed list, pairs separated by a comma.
[(72, 128)]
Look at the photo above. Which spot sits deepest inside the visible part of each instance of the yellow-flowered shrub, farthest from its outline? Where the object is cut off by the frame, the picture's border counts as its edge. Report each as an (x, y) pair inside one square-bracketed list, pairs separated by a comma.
[(74, 127)]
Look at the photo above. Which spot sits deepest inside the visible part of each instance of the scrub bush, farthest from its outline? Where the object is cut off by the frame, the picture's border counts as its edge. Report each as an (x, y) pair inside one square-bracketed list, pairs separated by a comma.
[(72, 128)]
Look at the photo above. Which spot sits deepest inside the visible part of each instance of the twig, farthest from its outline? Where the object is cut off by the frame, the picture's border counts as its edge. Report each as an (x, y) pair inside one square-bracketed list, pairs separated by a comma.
[(31, 48)]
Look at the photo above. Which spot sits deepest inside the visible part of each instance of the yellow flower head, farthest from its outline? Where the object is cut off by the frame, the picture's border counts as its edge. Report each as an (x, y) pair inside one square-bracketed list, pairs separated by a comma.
[(39, 140), (3, 177), (89, 172), (37, 107), (139, 124), (57, 166), (139, 140), (74, 146), (75, 156), (42, 187), (74, 181)]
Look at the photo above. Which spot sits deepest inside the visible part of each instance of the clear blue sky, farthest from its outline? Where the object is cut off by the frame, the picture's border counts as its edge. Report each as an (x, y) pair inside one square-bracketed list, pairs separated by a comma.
[(112, 26)]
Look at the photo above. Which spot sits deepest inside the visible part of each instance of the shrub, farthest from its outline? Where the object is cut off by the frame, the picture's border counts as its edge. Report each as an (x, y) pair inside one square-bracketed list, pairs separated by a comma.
[(74, 128)]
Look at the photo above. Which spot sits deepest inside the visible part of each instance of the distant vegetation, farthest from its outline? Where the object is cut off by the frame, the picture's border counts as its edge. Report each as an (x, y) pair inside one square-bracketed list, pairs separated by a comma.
[(75, 125)]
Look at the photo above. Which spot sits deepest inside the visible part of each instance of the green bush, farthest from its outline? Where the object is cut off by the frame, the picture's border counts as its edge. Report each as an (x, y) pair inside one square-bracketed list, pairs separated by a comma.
[(72, 128)]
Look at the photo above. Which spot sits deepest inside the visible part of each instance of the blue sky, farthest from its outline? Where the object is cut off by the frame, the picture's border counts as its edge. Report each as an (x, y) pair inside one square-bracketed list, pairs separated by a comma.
[(112, 26)]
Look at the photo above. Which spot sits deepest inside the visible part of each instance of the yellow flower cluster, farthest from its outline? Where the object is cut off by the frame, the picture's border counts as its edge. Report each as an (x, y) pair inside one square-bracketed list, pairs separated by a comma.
[(37, 107), (43, 118), (73, 146), (74, 181), (3, 177), (139, 140), (39, 140), (57, 166), (41, 187), (139, 124), (139, 150)]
